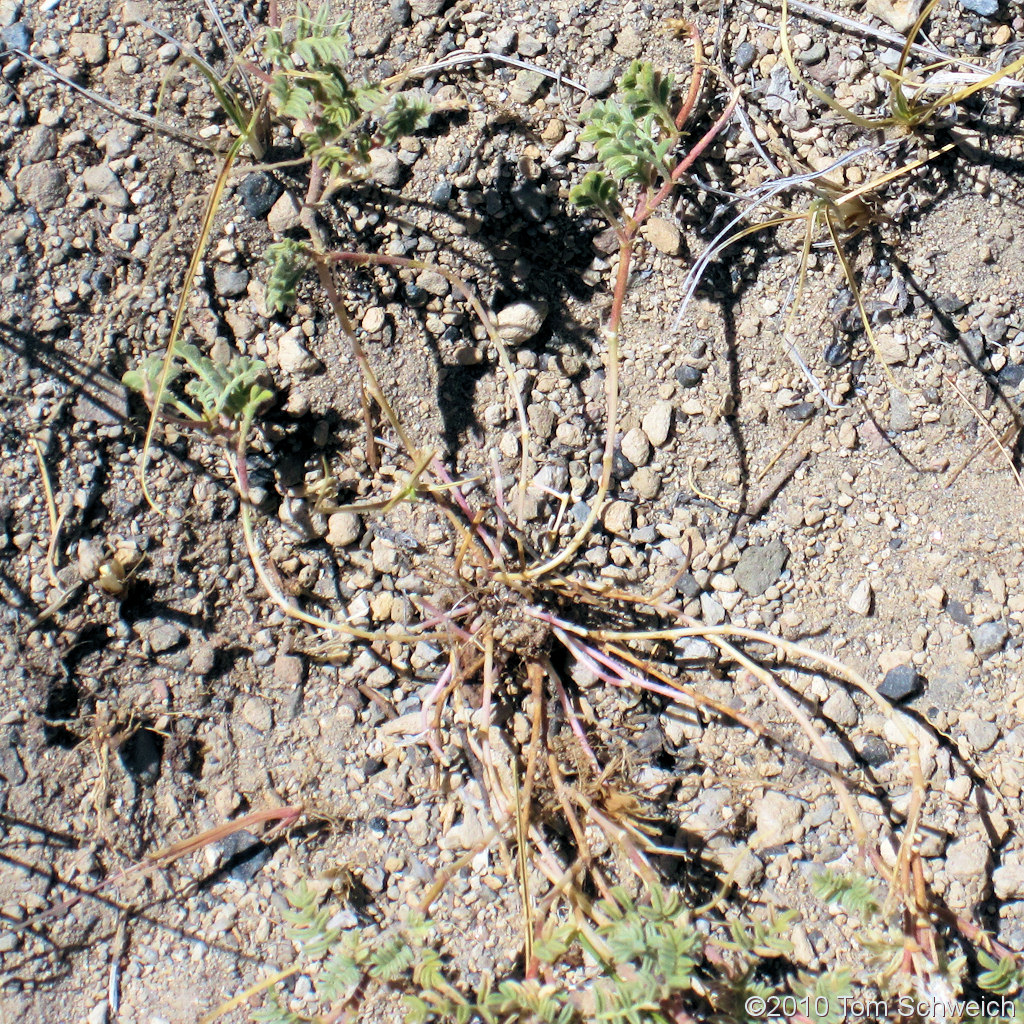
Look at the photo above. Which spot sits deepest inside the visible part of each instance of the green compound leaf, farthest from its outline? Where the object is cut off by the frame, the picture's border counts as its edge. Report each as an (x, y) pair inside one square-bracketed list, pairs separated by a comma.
[(288, 261)]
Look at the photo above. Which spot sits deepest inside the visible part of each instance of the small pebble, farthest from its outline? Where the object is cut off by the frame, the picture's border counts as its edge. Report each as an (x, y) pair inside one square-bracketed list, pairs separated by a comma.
[(256, 712), (861, 599), (258, 193), (636, 447), (441, 193), (980, 734), (986, 8), (519, 321), (989, 637), (875, 751), (164, 637), (760, 566), (284, 214), (837, 352), (293, 356), (657, 423), (899, 683), (1011, 375), (689, 376), (618, 518), (103, 184), (289, 669), (600, 81), (17, 36), (230, 281), (744, 56), (663, 235), (801, 411), (385, 168)]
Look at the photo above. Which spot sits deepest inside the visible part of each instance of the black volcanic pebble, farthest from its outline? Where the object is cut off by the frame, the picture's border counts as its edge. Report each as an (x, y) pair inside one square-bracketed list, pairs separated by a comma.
[(1011, 375), (688, 376), (259, 192), (875, 751), (837, 352), (899, 682)]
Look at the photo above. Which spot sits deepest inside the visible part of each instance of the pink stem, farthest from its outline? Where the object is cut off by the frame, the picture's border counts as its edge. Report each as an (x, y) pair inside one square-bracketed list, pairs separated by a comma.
[(574, 722)]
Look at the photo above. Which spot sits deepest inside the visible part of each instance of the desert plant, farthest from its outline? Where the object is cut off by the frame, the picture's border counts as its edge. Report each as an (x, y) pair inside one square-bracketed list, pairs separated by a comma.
[(650, 961), (515, 600)]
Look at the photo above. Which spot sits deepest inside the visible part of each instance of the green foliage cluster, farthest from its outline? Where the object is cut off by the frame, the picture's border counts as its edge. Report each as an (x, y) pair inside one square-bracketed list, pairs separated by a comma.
[(647, 964), (634, 133), (650, 962), (288, 262), (883, 939), (310, 88), (224, 399)]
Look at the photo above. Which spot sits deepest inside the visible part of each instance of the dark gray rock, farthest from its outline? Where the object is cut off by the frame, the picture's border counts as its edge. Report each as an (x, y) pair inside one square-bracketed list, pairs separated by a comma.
[(244, 855), (622, 468), (258, 193), (441, 193), (140, 755), (875, 751), (837, 352), (900, 682), (744, 56), (689, 376), (230, 281), (801, 411), (1011, 375), (760, 565), (958, 613), (580, 511), (415, 295), (600, 81), (974, 345), (989, 637)]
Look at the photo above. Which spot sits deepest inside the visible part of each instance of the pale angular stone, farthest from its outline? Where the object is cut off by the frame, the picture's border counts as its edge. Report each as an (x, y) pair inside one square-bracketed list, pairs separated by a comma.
[(663, 235), (293, 356), (385, 168), (777, 817), (862, 598), (618, 518), (103, 184), (657, 423), (91, 45), (519, 321), (900, 14), (343, 528), (284, 214), (636, 447)]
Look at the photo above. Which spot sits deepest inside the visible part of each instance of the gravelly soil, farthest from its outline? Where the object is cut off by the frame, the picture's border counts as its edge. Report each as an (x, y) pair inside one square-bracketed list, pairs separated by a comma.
[(890, 539)]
